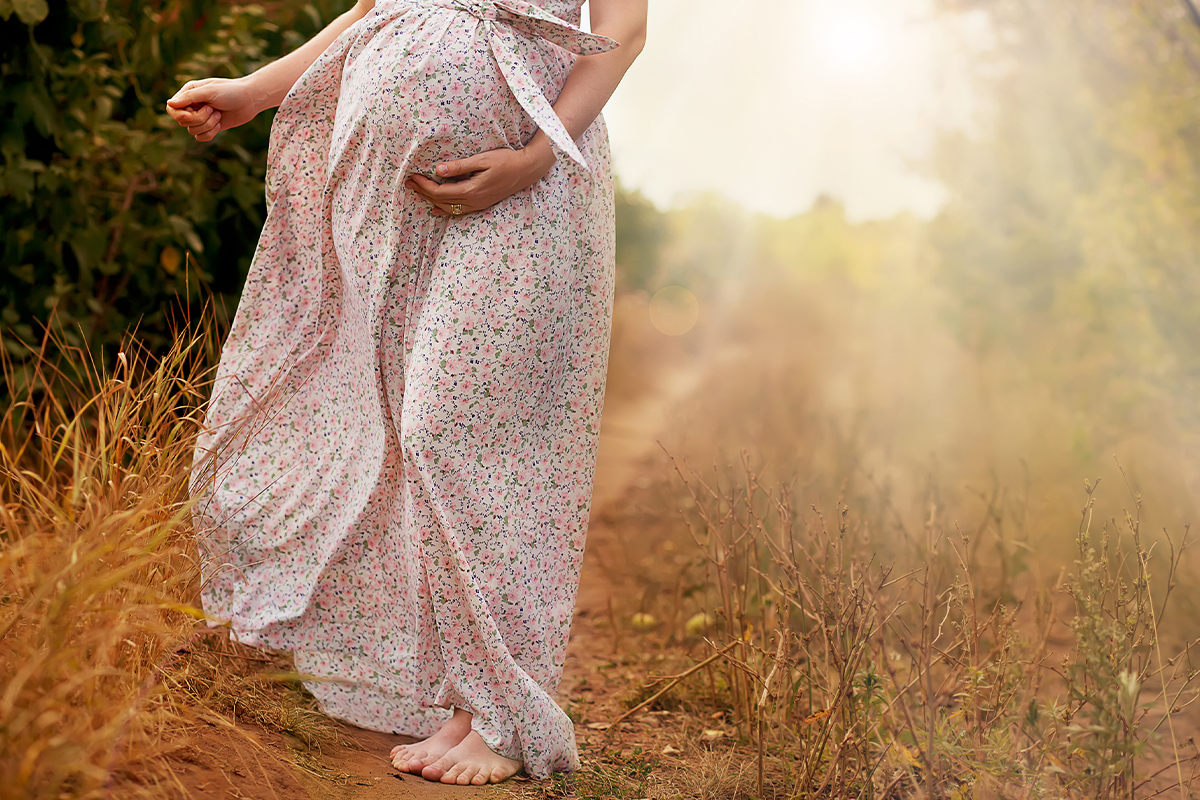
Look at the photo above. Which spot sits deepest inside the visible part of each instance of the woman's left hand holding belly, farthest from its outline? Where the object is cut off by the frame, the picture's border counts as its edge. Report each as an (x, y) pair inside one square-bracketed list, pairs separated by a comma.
[(492, 176)]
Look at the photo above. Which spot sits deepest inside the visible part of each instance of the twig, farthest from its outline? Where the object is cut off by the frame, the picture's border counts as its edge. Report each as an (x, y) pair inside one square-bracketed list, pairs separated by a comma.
[(672, 684), (1193, 12)]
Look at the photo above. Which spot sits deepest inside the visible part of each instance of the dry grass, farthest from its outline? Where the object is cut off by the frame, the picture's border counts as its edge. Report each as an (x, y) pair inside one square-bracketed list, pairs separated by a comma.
[(104, 663), (886, 629), (903, 680), (867, 653)]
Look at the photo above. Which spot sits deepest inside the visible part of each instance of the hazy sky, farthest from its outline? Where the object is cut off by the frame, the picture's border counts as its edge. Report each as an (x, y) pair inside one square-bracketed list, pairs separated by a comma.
[(772, 102)]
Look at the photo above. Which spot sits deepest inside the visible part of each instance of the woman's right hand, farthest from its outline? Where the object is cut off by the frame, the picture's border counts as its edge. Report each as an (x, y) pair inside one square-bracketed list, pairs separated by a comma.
[(212, 105)]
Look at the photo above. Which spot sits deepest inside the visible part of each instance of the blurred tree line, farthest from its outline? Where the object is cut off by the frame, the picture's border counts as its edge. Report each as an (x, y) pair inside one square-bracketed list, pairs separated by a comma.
[(112, 216), (1071, 240), (1047, 318), (1067, 252)]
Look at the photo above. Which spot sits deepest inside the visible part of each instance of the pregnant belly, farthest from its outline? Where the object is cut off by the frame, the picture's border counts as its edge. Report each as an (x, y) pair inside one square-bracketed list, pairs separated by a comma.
[(425, 88)]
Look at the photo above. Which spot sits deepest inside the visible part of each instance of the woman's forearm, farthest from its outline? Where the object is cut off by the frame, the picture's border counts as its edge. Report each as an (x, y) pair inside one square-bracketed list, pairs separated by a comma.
[(270, 84), (593, 79)]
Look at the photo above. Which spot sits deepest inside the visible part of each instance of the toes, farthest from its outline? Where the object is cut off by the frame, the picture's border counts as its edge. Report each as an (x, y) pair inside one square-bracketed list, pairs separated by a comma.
[(479, 778), (435, 771), (455, 774), (503, 772), (410, 759)]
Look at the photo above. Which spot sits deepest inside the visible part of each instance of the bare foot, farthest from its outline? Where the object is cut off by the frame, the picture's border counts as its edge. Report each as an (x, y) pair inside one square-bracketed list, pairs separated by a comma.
[(471, 762), (416, 757)]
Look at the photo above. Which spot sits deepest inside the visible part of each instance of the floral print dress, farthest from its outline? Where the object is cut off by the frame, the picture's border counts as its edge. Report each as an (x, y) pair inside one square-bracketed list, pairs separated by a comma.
[(396, 467)]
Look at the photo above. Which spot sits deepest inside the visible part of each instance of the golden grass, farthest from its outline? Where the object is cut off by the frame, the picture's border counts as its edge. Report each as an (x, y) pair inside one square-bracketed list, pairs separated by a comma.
[(98, 570), (105, 662)]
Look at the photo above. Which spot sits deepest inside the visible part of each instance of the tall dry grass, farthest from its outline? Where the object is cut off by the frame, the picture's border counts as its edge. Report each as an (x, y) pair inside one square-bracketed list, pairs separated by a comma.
[(894, 592), (105, 663), (99, 575), (855, 677)]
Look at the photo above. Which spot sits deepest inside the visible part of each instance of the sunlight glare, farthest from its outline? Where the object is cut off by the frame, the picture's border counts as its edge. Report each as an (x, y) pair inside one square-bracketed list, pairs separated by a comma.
[(850, 38)]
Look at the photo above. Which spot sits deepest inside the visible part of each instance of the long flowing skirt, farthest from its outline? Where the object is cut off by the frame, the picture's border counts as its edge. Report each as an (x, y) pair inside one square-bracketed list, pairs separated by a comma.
[(396, 471)]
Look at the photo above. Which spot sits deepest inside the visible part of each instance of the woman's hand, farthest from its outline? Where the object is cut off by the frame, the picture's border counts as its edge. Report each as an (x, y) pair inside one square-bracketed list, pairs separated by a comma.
[(494, 175), (212, 105)]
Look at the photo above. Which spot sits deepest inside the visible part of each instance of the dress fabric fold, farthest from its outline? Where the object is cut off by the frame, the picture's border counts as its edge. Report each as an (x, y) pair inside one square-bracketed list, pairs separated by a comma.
[(395, 473)]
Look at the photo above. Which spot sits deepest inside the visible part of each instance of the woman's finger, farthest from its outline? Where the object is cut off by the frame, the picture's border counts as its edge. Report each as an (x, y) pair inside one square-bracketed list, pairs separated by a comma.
[(445, 204), (199, 116), (438, 192), (192, 117), (419, 192), (462, 166), (440, 195), (191, 93), (175, 101), (210, 122), (184, 116), (207, 132), (419, 183)]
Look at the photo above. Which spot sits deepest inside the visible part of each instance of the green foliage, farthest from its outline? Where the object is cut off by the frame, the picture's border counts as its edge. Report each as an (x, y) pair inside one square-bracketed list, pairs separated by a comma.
[(110, 211), (1072, 236), (697, 245), (642, 237)]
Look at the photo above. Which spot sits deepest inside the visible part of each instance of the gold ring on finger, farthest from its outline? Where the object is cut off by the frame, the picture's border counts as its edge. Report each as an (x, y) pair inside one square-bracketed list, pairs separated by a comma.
[(455, 209)]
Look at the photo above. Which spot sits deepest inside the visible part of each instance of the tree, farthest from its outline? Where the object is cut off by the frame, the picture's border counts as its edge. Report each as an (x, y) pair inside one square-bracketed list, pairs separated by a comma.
[(111, 213)]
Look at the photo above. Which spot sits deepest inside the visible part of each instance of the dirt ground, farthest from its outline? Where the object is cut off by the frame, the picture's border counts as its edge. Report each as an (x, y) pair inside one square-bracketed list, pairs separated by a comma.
[(600, 672)]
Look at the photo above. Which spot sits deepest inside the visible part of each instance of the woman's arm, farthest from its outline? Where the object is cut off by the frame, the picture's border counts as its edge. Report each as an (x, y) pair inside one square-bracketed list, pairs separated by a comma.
[(215, 104), (502, 173)]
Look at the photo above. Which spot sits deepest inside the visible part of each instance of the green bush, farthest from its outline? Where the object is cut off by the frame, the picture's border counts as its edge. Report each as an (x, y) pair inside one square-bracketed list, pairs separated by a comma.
[(112, 215)]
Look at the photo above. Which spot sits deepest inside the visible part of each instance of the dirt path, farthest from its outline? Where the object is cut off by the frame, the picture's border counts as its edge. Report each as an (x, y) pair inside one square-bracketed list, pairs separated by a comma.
[(628, 439)]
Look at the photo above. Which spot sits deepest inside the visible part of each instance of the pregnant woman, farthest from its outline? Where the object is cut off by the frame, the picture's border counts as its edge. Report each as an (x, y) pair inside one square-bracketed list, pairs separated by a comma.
[(395, 474)]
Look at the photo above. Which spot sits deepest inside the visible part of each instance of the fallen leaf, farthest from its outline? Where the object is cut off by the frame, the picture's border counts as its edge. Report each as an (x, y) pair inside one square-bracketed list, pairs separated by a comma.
[(817, 717), (599, 726), (713, 734), (643, 621), (699, 624), (671, 751)]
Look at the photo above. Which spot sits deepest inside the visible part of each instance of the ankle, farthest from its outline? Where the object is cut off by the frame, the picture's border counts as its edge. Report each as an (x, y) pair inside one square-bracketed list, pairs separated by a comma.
[(460, 719)]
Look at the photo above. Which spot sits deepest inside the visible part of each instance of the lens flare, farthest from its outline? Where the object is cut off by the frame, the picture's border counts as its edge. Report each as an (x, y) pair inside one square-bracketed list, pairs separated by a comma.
[(674, 310)]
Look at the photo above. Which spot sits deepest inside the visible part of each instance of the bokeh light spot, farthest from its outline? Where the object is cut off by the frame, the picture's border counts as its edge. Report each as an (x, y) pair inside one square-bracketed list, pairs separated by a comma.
[(674, 310)]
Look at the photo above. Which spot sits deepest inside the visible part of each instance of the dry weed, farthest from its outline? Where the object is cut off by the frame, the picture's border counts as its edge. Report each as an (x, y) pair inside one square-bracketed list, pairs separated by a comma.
[(105, 663)]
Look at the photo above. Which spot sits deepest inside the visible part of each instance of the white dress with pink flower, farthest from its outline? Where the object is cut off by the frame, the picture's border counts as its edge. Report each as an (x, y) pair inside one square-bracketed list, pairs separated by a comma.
[(396, 470)]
